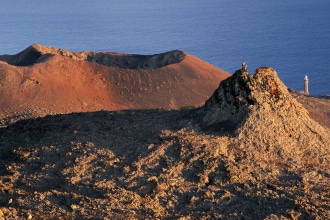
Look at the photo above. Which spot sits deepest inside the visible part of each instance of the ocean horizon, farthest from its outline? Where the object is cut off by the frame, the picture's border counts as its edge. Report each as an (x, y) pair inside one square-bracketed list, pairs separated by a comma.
[(292, 37)]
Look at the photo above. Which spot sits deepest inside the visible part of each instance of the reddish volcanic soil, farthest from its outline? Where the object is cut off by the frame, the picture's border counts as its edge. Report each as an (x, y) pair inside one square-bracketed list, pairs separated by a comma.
[(317, 106), (40, 81)]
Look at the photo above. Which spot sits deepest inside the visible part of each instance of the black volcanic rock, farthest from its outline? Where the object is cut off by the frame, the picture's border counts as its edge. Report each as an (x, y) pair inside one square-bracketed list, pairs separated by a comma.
[(139, 62)]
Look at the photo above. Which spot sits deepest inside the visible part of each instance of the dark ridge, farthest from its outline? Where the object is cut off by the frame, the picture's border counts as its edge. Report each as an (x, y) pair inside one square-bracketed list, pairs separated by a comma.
[(27, 57), (38, 53), (140, 62)]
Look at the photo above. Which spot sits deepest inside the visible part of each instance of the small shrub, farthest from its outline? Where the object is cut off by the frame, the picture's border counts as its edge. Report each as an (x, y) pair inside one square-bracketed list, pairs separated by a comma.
[(185, 107), (120, 113)]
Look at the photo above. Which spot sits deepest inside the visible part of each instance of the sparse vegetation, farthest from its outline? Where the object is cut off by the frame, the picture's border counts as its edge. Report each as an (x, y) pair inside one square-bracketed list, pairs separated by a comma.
[(185, 107), (120, 113)]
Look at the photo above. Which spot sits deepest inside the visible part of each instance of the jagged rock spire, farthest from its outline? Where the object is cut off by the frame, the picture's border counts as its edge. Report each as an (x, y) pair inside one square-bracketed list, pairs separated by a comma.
[(242, 92), (260, 111), (263, 89)]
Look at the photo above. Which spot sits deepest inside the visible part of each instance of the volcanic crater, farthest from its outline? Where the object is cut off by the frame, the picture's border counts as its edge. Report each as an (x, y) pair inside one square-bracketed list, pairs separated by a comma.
[(43, 80)]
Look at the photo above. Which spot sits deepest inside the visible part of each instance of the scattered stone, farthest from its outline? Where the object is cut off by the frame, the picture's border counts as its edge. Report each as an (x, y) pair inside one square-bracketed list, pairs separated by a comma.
[(73, 207), (251, 143), (29, 216)]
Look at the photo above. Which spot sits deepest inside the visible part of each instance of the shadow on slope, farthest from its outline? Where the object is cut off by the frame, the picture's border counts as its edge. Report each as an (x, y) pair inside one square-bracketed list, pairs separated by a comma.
[(66, 160), (136, 164)]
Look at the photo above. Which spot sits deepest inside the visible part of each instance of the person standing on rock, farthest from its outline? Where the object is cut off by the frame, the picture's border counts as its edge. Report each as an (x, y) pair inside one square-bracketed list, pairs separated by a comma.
[(244, 66)]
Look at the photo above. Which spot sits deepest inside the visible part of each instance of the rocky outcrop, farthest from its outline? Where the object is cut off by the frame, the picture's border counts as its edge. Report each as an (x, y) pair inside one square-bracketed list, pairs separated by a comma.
[(263, 116), (242, 94)]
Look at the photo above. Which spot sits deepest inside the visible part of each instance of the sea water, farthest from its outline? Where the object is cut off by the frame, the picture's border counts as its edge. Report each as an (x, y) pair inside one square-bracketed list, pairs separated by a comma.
[(291, 36)]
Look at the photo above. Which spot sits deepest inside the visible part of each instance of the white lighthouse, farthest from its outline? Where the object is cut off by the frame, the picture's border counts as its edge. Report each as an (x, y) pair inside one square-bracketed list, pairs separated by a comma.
[(306, 91)]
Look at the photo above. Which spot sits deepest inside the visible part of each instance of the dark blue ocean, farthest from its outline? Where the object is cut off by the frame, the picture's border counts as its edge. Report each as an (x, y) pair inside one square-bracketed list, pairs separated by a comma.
[(292, 36)]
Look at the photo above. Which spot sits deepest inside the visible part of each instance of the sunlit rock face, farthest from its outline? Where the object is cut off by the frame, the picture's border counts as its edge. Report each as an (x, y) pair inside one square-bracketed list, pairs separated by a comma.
[(260, 111)]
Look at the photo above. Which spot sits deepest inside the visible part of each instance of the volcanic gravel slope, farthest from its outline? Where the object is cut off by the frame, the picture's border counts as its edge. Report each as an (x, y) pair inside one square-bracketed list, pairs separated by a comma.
[(252, 152), (42, 81)]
